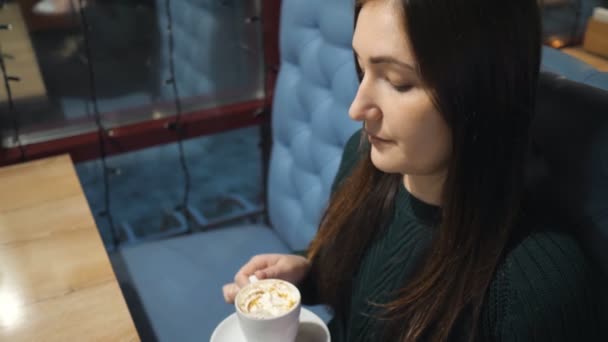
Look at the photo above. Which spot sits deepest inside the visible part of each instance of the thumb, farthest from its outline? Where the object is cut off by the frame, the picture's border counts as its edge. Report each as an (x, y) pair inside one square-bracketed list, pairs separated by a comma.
[(230, 291)]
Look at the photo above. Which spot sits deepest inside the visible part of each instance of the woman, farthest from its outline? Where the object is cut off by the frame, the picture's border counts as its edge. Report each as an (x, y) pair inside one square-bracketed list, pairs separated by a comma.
[(427, 236)]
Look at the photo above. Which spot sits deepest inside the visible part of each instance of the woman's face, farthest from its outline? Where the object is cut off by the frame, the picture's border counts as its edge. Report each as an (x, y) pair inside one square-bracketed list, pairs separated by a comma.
[(406, 132)]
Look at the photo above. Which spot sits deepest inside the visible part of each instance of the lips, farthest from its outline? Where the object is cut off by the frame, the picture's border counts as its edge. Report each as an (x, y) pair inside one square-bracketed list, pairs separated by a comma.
[(376, 138)]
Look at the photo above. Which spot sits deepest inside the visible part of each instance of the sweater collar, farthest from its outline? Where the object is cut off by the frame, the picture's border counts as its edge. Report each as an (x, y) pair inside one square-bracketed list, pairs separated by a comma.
[(424, 212)]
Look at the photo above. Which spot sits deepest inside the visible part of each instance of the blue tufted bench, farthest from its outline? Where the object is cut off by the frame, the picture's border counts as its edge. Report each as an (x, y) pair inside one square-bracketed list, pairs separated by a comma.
[(557, 62), (178, 281)]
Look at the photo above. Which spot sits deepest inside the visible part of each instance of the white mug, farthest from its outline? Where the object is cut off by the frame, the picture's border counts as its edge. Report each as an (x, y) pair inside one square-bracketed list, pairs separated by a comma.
[(282, 328)]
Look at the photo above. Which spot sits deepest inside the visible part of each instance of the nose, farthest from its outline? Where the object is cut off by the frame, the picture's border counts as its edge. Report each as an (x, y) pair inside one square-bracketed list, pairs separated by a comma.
[(363, 107)]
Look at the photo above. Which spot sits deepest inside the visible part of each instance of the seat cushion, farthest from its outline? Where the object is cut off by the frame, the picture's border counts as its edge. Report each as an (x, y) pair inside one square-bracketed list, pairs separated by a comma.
[(598, 80), (558, 62), (179, 281)]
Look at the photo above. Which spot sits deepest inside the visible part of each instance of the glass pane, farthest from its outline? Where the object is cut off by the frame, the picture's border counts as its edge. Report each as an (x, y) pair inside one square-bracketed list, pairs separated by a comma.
[(146, 186), (564, 20), (216, 53)]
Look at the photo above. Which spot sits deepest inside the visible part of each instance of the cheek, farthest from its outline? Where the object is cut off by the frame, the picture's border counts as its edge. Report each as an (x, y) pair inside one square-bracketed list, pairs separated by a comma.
[(432, 145), (423, 137)]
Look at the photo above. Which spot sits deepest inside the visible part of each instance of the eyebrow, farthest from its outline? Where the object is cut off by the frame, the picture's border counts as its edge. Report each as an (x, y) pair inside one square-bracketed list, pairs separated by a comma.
[(387, 60)]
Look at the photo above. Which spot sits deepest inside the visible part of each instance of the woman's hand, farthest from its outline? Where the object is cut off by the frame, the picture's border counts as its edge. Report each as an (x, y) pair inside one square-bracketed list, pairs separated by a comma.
[(288, 267)]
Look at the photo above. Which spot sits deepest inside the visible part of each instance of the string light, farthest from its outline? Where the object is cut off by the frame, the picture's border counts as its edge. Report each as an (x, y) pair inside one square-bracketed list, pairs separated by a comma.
[(101, 131), (177, 125), (9, 94)]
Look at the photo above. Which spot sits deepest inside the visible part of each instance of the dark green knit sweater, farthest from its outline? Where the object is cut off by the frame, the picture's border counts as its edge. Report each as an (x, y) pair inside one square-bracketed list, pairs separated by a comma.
[(545, 290)]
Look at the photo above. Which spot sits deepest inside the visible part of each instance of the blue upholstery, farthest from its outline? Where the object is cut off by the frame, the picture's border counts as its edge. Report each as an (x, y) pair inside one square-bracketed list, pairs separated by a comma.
[(179, 280), (316, 84), (568, 66), (598, 80), (557, 62)]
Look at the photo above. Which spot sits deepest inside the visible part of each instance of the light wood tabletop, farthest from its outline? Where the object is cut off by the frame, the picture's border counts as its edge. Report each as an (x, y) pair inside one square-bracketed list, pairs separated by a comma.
[(598, 62), (56, 281)]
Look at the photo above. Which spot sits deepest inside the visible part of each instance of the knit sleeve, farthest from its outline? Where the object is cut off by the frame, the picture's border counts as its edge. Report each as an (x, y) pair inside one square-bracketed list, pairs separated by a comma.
[(350, 155), (555, 292)]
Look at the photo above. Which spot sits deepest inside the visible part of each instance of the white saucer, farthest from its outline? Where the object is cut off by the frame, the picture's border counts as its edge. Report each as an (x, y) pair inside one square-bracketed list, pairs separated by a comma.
[(312, 329)]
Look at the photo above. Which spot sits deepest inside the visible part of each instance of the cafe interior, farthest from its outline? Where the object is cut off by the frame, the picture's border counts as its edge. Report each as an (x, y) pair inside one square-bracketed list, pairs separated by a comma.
[(152, 147)]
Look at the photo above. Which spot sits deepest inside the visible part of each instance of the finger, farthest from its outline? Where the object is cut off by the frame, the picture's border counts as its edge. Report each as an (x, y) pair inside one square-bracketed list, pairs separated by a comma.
[(256, 263), (230, 291), (274, 271)]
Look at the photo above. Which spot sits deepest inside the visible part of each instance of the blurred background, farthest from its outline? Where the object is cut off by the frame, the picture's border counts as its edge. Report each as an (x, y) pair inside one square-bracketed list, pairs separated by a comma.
[(116, 79)]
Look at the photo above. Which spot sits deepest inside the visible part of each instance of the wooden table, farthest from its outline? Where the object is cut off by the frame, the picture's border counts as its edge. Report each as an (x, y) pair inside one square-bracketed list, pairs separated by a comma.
[(598, 62), (56, 281)]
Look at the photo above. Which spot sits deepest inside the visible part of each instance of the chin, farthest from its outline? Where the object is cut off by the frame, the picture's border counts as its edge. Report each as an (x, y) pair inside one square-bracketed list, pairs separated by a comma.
[(386, 162)]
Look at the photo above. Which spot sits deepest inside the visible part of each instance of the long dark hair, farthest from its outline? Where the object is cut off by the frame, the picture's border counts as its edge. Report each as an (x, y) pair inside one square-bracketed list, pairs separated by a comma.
[(479, 60)]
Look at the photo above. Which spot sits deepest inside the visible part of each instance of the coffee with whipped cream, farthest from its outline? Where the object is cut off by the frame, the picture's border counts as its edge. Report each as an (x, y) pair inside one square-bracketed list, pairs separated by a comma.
[(268, 298)]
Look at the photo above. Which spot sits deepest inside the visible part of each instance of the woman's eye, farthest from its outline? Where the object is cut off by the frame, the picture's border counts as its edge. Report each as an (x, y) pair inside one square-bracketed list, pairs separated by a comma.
[(403, 88)]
